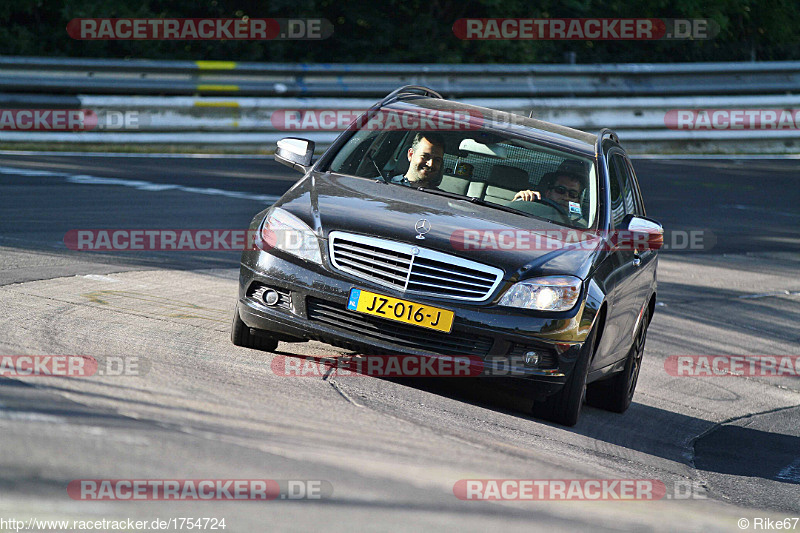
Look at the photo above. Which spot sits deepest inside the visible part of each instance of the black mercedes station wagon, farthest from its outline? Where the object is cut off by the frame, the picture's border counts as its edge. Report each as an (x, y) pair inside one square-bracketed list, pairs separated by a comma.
[(433, 228)]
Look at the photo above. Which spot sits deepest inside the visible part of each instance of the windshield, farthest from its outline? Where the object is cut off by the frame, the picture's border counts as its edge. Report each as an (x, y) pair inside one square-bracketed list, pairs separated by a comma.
[(478, 163)]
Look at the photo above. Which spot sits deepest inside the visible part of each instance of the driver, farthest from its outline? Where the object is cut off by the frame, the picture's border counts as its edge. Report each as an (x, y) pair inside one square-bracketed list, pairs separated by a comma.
[(564, 189), (426, 158)]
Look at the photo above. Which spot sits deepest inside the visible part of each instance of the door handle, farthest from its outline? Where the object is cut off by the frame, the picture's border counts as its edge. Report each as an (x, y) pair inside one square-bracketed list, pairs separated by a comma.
[(636, 259)]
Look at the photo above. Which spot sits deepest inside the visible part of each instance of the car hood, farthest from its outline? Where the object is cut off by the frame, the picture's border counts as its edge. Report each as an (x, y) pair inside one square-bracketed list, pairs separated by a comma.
[(521, 245)]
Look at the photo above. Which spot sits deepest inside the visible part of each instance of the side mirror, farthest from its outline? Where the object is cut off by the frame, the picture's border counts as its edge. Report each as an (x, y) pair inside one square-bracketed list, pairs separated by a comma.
[(295, 153), (644, 233)]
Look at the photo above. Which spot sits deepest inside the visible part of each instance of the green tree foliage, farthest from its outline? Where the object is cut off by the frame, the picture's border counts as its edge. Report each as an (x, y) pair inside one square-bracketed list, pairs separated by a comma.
[(410, 31)]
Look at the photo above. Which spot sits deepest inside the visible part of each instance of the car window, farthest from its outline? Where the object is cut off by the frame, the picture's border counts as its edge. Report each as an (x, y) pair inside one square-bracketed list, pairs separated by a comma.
[(359, 156), (635, 190), (534, 164), (623, 195)]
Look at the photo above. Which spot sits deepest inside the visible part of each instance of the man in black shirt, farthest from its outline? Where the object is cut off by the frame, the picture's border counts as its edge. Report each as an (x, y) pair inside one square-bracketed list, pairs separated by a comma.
[(425, 161)]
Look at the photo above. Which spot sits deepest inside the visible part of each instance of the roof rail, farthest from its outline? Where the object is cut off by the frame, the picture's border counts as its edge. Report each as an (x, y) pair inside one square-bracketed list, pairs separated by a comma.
[(609, 132), (605, 132), (410, 90)]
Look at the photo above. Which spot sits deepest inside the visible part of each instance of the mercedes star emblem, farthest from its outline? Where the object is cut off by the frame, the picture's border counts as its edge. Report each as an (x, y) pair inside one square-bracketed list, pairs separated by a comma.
[(422, 226)]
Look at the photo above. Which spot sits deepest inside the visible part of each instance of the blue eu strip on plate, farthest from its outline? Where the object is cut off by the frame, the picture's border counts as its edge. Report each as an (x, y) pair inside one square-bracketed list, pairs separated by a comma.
[(352, 304)]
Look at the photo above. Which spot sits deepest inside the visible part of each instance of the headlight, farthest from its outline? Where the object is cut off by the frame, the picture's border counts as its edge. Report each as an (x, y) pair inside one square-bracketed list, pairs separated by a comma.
[(551, 293), (284, 231)]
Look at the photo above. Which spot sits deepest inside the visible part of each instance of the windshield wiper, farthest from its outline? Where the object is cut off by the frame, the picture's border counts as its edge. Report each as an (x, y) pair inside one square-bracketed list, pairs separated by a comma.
[(474, 200), (383, 178)]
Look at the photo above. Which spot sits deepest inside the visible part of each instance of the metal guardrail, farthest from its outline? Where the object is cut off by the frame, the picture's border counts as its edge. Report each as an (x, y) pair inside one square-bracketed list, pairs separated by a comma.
[(161, 114), (173, 100), (249, 121), (105, 76)]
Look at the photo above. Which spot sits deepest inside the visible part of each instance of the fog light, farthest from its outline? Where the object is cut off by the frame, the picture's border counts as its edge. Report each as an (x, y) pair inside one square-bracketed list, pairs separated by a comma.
[(531, 358), (270, 297)]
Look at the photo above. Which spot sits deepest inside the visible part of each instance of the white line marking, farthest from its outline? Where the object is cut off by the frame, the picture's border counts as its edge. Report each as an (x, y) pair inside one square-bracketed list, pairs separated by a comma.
[(267, 156), (791, 472), (98, 277), (713, 156), (757, 209), (768, 294), (85, 179), (126, 154), (30, 172), (29, 416)]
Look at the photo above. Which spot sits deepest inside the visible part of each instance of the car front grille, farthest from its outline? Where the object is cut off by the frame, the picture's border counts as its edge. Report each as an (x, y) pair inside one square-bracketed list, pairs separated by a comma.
[(338, 316), (413, 269)]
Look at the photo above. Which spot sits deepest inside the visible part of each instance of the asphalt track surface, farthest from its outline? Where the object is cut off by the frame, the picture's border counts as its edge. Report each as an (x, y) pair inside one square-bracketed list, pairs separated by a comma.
[(725, 447)]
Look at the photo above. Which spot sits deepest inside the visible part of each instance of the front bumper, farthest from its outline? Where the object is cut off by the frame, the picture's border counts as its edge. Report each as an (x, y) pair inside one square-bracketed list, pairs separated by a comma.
[(313, 305)]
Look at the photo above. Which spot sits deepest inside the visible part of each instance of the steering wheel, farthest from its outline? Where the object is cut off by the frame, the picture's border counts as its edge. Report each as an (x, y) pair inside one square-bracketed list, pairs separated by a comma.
[(558, 209), (551, 203)]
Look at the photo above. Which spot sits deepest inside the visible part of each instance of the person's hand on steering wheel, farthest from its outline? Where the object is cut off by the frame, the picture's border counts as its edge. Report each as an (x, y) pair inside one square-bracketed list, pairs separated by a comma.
[(527, 196)]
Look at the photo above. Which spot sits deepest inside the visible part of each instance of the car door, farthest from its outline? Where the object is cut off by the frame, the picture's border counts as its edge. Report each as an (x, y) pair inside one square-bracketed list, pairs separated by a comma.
[(645, 277), (623, 280)]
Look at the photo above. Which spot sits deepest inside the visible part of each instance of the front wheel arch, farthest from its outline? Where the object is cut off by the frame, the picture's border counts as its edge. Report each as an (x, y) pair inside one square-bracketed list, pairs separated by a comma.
[(651, 305), (600, 323)]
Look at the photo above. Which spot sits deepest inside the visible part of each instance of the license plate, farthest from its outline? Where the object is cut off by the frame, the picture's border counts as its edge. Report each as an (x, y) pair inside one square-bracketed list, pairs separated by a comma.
[(398, 310)]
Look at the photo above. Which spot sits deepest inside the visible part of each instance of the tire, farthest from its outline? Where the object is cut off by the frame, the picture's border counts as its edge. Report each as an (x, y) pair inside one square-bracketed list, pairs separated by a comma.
[(241, 336), (564, 407), (616, 394)]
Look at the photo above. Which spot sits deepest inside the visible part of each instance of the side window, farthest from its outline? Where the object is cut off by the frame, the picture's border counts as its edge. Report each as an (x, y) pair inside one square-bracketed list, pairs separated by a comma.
[(628, 192), (618, 179), (623, 190), (634, 186)]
